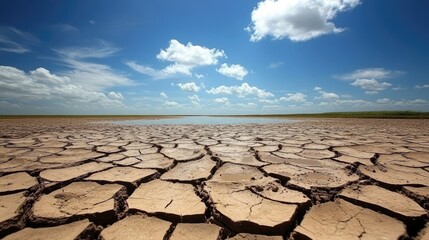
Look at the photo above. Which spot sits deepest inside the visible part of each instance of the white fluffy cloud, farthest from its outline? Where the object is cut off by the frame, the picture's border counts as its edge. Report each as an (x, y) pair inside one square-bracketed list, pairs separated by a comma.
[(329, 95), (340, 104), (326, 95), (242, 91), (116, 95), (163, 95), (294, 97), (383, 101), (199, 76), (418, 101), (371, 84), (370, 79), (42, 75), (370, 73), (190, 87), (247, 105), (222, 100), (402, 103), (268, 101), (41, 84), (195, 99), (177, 68), (189, 54), (371, 92), (298, 20), (171, 104), (234, 71), (183, 58)]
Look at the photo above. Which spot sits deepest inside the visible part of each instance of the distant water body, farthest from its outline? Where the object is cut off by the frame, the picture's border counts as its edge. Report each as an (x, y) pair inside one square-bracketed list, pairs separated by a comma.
[(210, 120)]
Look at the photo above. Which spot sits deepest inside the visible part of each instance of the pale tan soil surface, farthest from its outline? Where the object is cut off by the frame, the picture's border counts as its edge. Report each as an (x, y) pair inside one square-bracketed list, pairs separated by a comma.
[(315, 179)]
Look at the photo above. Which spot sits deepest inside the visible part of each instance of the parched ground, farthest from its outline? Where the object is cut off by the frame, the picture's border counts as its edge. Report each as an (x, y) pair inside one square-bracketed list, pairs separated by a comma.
[(314, 179)]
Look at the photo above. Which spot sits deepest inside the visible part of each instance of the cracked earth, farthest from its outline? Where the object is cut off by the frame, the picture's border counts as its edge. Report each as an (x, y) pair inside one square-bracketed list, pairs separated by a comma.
[(313, 179)]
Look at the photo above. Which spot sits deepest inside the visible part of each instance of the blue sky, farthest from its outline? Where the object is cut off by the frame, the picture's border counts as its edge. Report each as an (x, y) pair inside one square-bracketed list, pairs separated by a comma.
[(213, 57)]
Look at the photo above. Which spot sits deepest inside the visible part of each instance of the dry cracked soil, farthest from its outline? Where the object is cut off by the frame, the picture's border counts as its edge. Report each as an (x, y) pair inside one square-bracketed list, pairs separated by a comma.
[(311, 179)]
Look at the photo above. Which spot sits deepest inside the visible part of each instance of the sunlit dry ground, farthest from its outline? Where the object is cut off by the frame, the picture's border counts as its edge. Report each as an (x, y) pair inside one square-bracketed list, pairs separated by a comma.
[(319, 179)]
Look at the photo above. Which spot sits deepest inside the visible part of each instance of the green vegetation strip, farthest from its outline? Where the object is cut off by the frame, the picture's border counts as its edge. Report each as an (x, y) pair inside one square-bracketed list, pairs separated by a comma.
[(378, 114)]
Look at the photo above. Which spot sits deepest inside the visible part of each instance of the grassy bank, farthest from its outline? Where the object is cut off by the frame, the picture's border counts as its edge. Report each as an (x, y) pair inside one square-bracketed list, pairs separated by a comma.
[(375, 114)]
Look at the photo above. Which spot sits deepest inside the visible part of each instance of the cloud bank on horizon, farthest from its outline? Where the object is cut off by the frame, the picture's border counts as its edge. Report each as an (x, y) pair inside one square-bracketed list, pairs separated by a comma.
[(273, 56)]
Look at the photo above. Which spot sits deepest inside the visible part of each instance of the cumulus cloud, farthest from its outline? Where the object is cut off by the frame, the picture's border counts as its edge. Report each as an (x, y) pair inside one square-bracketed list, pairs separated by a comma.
[(410, 103), (116, 95), (234, 71), (242, 90), (252, 105), (324, 105), (195, 100), (183, 58), (189, 54), (370, 79), (371, 84), (43, 75), (326, 95), (199, 76), (247, 105), (171, 104), (268, 101), (383, 101), (177, 68), (82, 86), (371, 92), (40, 84), (329, 95), (297, 20), (190, 87), (222, 100), (418, 101), (163, 95), (294, 97), (370, 73)]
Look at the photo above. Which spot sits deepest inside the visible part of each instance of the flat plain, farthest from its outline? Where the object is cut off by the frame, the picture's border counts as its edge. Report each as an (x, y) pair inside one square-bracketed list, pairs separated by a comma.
[(63, 178)]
